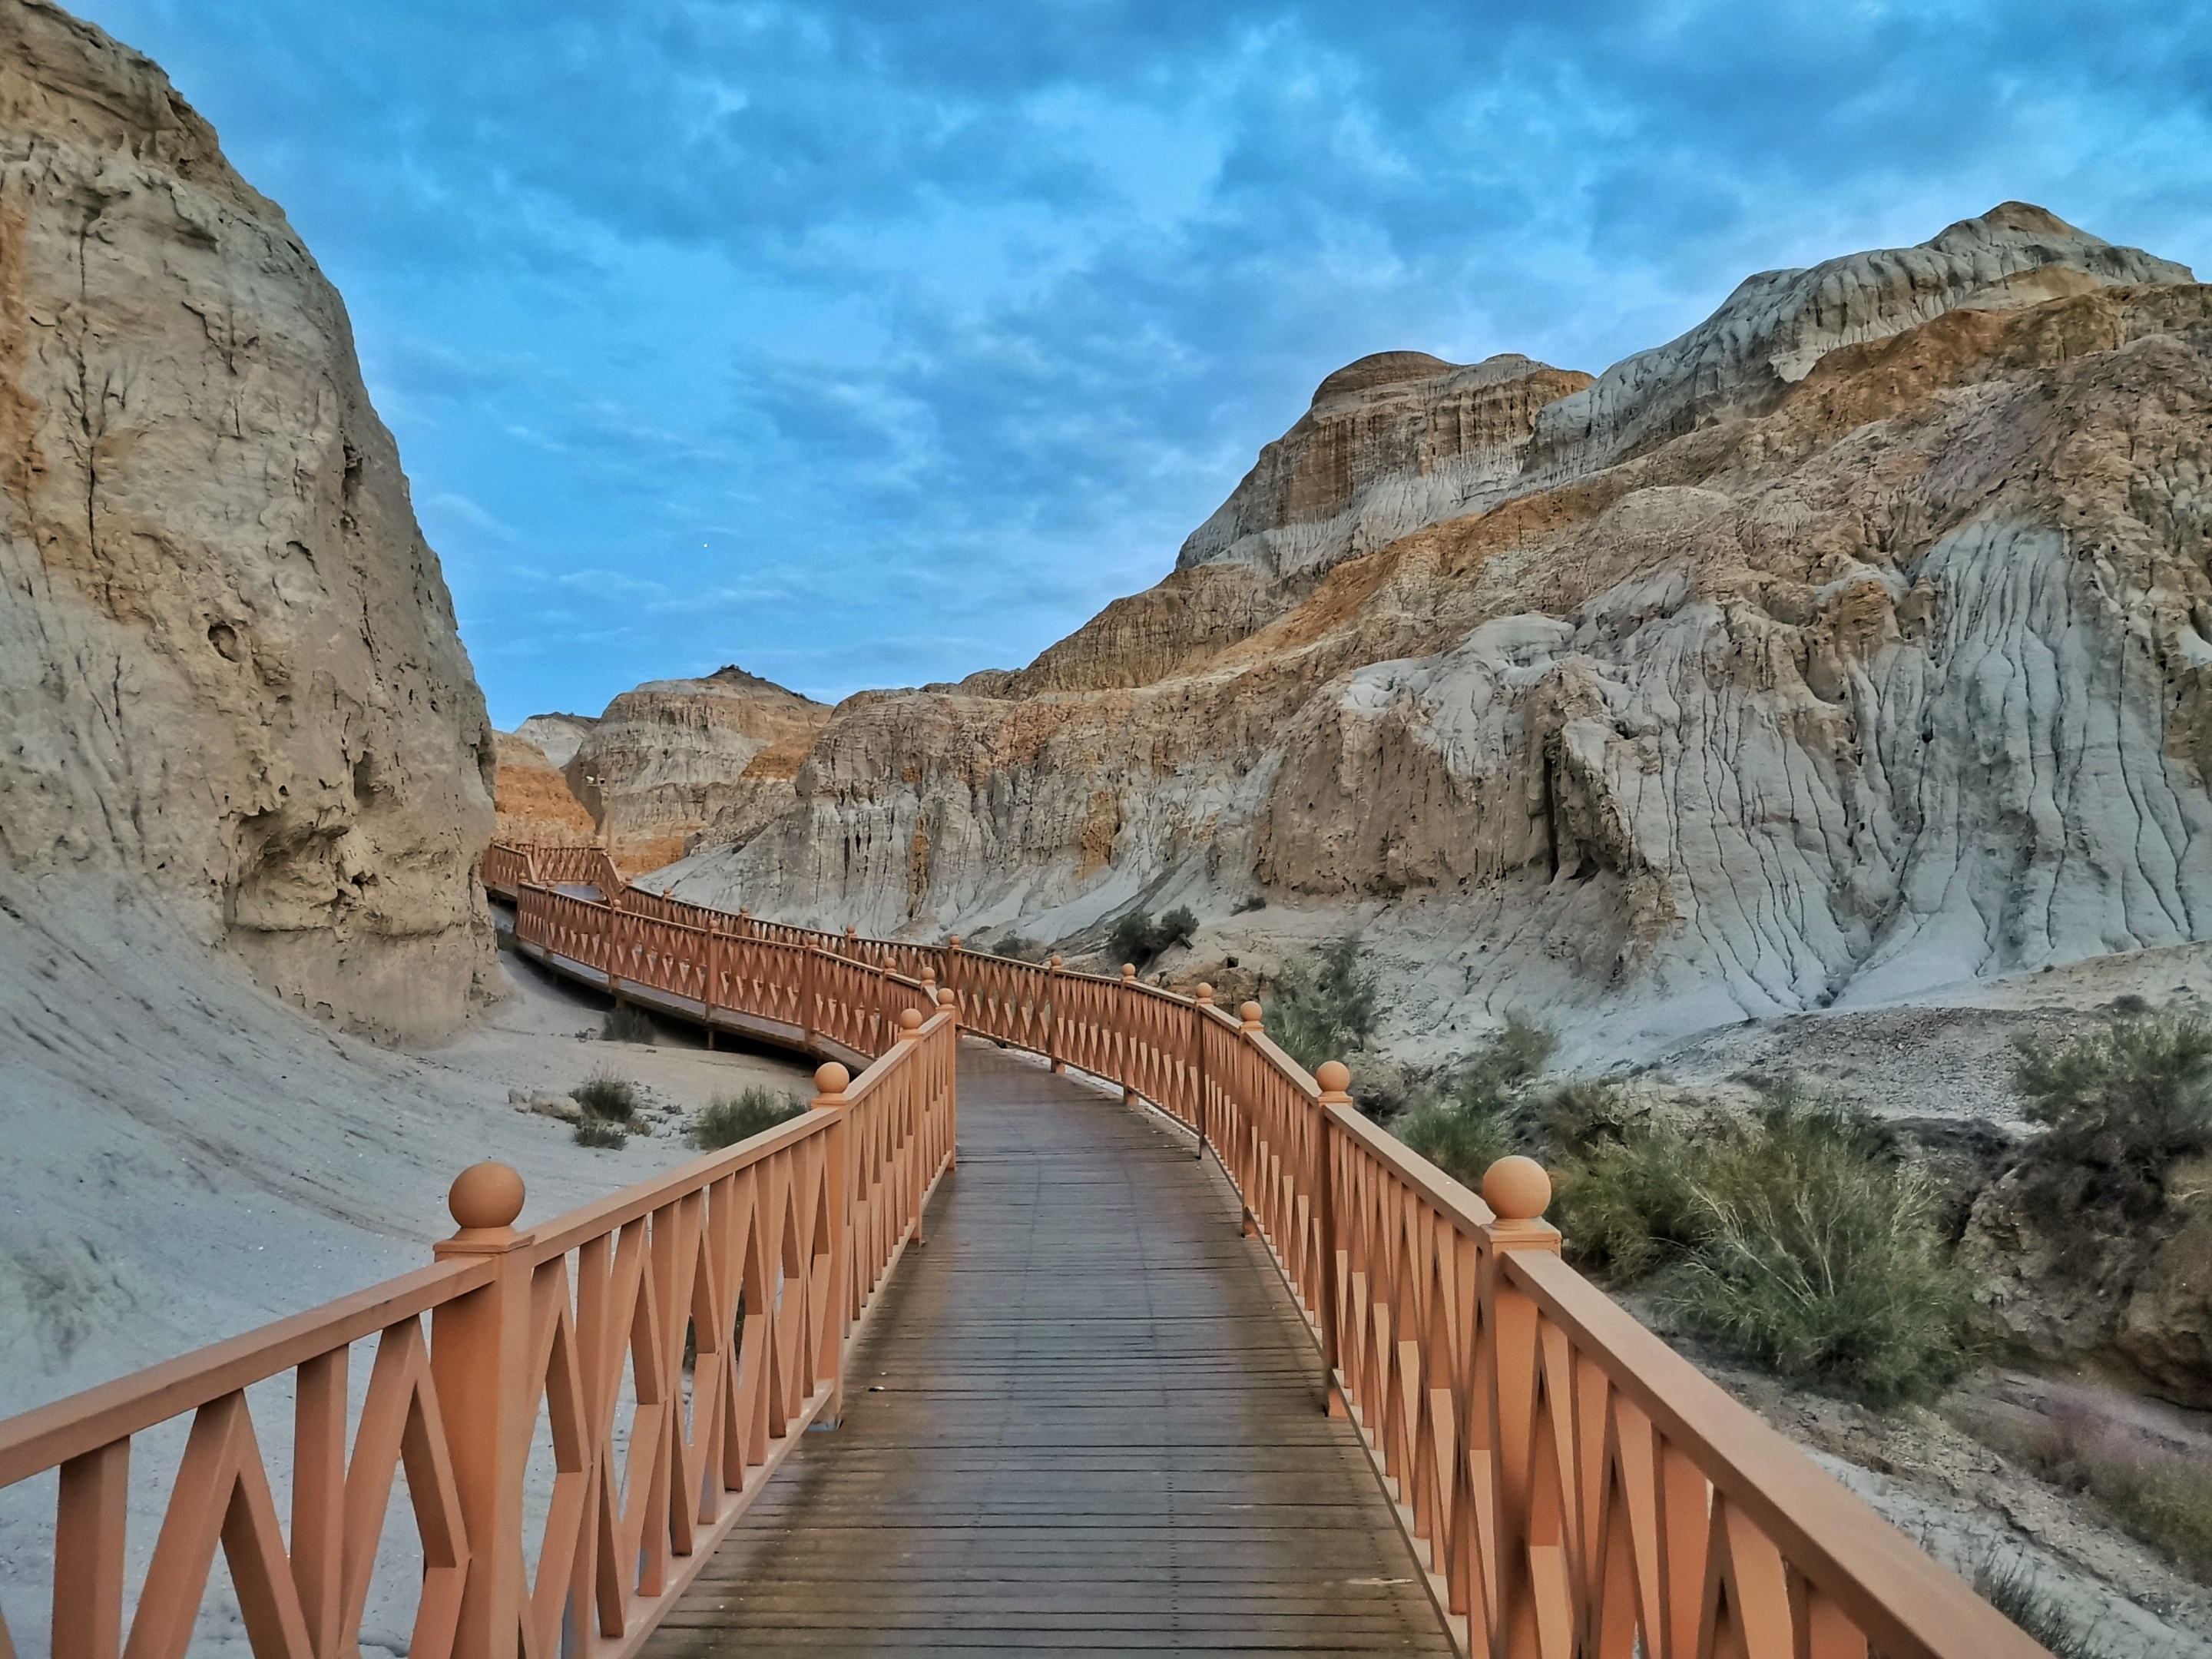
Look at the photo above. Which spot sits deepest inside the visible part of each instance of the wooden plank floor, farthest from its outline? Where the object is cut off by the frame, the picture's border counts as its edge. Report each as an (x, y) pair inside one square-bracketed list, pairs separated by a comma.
[(1083, 1421)]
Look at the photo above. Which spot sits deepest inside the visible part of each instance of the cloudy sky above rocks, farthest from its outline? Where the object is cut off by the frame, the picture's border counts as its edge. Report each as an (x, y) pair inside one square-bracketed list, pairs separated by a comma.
[(873, 344)]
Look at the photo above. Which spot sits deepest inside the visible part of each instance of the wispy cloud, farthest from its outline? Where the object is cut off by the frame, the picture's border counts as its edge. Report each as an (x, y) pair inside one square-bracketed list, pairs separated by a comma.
[(871, 343)]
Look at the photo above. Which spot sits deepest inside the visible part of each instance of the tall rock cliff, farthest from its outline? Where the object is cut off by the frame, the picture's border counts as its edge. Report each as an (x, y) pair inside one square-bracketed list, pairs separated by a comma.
[(1854, 642), (229, 674)]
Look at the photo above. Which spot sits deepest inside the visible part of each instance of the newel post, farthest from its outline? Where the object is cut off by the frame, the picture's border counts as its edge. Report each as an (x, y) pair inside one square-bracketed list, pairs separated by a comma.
[(829, 1083), (714, 977), (1518, 1191), (1335, 1080), (1122, 1021), (1251, 1030), (1199, 1006), (949, 1004), (480, 1361), (1052, 1023)]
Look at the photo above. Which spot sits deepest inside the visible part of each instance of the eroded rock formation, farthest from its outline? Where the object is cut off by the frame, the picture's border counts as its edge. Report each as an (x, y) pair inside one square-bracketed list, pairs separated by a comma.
[(534, 800), (676, 764), (229, 674), (1853, 643)]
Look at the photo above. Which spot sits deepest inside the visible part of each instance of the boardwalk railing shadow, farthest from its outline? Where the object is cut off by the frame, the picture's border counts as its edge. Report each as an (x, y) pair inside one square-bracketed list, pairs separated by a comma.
[(1568, 1484)]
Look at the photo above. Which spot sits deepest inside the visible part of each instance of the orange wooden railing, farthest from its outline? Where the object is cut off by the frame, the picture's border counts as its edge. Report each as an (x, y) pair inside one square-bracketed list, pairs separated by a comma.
[(748, 1268), (1570, 1485)]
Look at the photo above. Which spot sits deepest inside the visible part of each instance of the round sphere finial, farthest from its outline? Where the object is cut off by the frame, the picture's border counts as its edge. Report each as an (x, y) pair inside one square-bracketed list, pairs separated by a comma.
[(1251, 1013), (945, 998), (1128, 971), (910, 1020), (831, 1078), (953, 943), (485, 1197), (1055, 962), (1334, 1077), (1517, 1188), (1205, 993)]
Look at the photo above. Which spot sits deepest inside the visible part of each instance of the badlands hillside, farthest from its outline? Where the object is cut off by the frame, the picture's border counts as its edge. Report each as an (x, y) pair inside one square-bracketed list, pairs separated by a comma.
[(1854, 644)]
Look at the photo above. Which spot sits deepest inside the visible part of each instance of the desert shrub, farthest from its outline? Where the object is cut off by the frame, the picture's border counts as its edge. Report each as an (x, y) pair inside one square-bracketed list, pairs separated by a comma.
[(2015, 1589), (610, 1098), (1492, 1075), (729, 1119), (2122, 1105), (1325, 1008), (1138, 937), (1821, 1258), (603, 1133), (1016, 948), (1628, 1205), (627, 1025), (1797, 1240)]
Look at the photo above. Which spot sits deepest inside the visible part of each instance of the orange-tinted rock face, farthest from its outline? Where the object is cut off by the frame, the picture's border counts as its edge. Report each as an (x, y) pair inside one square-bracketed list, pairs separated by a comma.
[(534, 800), (1856, 642)]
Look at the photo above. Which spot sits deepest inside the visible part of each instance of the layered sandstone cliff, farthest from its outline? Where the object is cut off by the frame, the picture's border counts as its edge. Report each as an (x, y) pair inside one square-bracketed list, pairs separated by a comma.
[(533, 801), (229, 674), (1854, 642), (680, 763)]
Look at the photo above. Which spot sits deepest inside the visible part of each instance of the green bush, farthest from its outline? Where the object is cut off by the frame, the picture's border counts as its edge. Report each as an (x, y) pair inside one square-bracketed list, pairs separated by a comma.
[(601, 1132), (1137, 938), (1798, 1240), (731, 1118), (2120, 1107), (1323, 1009), (1461, 1142), (1627, 1205), (627, 1025), (607, 1097)]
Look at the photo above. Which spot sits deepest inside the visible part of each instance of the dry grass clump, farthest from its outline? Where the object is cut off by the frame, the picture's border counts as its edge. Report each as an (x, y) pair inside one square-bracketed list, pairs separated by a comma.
[(609, 1098), (2157, 1492), (729, 1119), (1797, 1240), (626, 1024), (601, 1133), (2014, 1589)]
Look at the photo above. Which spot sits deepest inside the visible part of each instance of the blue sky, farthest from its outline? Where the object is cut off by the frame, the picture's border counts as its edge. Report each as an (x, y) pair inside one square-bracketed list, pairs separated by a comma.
[(870, 344)]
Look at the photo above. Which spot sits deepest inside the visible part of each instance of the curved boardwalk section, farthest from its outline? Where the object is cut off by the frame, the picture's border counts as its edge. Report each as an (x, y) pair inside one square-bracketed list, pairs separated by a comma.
[(1086, 1418)]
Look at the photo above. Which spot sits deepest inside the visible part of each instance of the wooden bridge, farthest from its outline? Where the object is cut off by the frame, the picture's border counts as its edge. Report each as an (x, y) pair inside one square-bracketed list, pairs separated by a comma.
[(1216, 1365)]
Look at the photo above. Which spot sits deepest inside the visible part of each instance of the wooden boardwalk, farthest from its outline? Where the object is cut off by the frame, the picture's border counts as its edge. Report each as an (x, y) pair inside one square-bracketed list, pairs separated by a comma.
[(1084, 1419)]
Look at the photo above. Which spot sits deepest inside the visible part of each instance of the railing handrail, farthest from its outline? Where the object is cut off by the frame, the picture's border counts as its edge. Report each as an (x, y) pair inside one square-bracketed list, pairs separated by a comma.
[(52, 1434)]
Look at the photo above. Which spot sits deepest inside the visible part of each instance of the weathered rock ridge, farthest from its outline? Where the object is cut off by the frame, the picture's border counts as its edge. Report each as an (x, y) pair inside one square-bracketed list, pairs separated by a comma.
[(679, 761), (230, 673), (1854, 642), (533, 801)]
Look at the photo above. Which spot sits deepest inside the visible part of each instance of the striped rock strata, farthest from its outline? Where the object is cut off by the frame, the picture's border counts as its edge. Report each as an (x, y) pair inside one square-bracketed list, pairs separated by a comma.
[(1855, 642)]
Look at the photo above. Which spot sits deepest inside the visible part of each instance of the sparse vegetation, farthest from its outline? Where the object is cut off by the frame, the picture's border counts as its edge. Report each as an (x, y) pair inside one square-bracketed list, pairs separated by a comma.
[(2015, 1589), (1139, 939), (2120, 1107), (1466, 1128), (1324, 1009), (1798, 1239), (1016, 948), (2160, 1494), (626, 1024), (601, 1132), (606, 1097), (731, 1118)]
